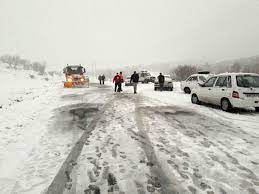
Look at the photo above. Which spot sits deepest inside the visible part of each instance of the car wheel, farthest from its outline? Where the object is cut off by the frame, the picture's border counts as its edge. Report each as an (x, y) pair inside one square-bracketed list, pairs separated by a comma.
[(225, 105), (257, 109), (195, 99), (155, 89), (187, 90)]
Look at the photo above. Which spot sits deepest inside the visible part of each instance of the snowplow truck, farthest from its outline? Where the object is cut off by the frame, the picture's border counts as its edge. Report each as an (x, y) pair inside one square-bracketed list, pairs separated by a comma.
[(75, 76)]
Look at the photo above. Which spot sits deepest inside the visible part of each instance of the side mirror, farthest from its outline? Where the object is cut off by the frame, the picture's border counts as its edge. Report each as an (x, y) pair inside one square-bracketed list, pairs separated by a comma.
[(84, 70)]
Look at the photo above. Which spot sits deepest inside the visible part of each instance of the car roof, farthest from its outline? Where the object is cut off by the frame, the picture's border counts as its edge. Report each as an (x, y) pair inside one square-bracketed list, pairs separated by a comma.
[(74, 66), (198, 74), (222, 74)]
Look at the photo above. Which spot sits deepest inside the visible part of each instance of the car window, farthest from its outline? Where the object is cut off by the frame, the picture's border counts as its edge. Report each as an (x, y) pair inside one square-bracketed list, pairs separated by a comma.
[(222, 81), (189, 79), (247, 81), (194, 78), (202, 78), (229, 82), (210, 82)]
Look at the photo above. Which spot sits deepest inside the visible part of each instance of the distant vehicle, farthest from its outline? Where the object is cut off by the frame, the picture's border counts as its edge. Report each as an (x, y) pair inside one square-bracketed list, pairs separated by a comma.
[(127, 81), (75, 76), (168, 84), (152, 79), (144, 76), (193, 81), (229, 90)]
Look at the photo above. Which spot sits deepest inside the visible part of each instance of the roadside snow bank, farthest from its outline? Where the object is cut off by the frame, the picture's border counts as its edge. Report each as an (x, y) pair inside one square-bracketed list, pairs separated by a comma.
[(17, 83)]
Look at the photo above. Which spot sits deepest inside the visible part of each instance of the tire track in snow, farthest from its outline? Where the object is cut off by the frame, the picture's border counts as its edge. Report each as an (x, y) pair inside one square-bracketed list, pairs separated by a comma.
[(63, 176), (160, 178)]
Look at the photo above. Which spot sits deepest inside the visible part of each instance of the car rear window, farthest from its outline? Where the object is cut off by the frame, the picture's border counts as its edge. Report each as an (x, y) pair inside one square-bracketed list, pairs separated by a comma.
[(247, 81)]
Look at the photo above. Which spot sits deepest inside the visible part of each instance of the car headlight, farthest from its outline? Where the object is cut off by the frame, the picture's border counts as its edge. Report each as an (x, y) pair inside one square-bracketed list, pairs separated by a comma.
[(82, 79), (69, 79)]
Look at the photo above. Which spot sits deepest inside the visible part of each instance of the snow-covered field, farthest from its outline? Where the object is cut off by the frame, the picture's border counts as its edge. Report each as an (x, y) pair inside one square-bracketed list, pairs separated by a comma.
[(152, 142)]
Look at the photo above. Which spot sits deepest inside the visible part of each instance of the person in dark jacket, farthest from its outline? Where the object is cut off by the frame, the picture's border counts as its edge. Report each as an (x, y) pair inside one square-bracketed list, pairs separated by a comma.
[(161, 81), (100, 79), (103, 79), (116, 80), (134, 78)]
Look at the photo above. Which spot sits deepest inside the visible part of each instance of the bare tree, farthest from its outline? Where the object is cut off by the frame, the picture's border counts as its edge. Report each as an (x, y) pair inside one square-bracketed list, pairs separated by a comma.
[(8, 60), (181, 72), (236, 67)]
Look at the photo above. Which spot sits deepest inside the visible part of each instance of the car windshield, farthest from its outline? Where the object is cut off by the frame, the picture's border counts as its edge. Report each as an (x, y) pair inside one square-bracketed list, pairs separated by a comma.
[(248, 81), (202, 78), (75, 70)]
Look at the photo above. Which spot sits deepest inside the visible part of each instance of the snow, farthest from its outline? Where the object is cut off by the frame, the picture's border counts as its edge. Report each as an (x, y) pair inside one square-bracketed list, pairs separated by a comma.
[(152, 141)]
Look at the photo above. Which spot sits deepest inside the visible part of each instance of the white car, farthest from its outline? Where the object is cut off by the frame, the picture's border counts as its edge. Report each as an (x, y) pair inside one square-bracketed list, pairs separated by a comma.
[(127, 81), (193, 81), (229, 90), (144, 76), (168, 84)]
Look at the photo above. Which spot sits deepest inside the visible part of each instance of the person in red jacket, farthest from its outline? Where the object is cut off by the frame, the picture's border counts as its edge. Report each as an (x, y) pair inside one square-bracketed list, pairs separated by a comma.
[(121, 81), (116, 80)]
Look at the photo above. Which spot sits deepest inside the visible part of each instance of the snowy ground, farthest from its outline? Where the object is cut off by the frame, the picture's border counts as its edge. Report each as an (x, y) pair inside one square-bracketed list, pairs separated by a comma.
[(79, 140)]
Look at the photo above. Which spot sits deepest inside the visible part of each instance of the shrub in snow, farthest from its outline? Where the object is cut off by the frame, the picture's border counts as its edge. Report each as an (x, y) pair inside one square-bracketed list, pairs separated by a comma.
[(32, 76)]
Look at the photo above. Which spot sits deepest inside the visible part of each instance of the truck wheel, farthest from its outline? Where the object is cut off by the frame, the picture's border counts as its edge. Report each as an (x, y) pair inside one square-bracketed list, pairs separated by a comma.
[(257, 109), (225, 105), (187, 90), (195, 99)]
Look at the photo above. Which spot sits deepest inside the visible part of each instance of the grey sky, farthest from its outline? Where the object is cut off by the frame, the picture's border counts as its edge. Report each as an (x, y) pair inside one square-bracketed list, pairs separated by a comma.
[(129, 31)]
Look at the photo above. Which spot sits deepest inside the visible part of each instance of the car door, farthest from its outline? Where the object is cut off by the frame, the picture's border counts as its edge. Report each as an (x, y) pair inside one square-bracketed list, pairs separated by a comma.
[(188, 82), (221, 89), (218, 90), (206, 92), (193, 82)]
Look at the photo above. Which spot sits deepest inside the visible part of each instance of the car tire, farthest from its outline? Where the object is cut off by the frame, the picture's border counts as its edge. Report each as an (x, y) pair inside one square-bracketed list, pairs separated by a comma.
[(225, 105), (155, 89), (187, 90), (195, 99), (257, 109)]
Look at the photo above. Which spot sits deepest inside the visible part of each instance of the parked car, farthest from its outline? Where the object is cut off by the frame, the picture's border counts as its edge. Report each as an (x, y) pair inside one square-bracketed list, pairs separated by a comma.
[(152, 79), (168, 84), (127, 81), (144, 76), (229, 90), (194, 80)]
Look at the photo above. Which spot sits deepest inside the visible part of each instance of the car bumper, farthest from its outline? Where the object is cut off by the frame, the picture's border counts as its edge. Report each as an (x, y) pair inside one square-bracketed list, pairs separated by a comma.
[(245, 103), (164, 86)]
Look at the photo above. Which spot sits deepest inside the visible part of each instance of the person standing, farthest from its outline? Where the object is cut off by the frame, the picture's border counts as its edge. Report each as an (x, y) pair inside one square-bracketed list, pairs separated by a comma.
[(116, 81), (103, 78), (134, 78), (121, 81), (161, 81), (100, 79)]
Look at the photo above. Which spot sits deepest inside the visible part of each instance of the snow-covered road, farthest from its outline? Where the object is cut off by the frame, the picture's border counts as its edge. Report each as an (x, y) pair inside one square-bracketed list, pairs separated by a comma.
[(152, 142)]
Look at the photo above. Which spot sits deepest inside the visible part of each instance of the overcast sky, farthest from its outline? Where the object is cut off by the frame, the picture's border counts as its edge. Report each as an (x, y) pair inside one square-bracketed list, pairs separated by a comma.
[(122, 32)]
